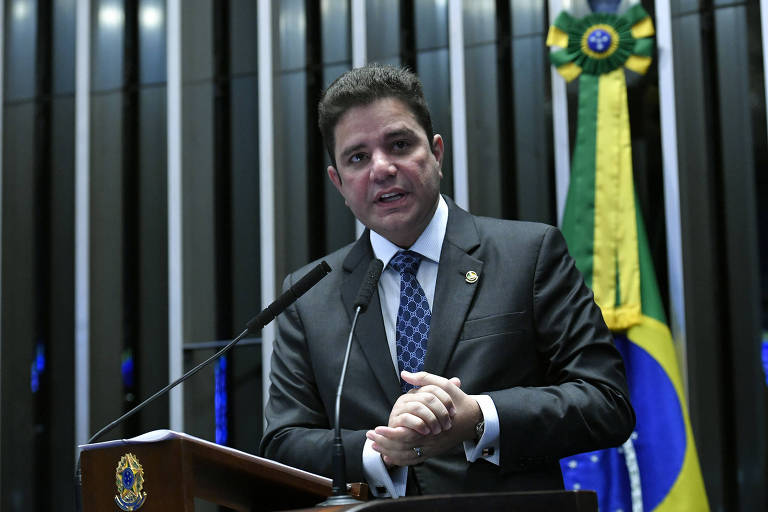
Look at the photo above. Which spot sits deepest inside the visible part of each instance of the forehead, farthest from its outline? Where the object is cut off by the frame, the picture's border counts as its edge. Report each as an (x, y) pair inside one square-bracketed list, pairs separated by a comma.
[(374, 119)]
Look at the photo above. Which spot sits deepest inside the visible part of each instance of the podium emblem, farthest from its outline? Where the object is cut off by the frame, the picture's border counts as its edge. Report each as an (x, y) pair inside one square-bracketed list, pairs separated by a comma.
[(129, 478)]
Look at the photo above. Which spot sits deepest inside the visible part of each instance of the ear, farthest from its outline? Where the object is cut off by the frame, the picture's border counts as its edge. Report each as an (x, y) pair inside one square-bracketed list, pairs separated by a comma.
[(335, 177), (437, 148)]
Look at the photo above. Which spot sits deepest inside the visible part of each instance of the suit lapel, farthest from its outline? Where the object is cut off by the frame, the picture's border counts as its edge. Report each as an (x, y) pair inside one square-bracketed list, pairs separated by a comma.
[(369, 333), (453, 294)]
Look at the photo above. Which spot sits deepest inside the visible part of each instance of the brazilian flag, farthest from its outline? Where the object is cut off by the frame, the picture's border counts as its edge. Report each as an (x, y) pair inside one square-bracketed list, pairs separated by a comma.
[(658, 467)]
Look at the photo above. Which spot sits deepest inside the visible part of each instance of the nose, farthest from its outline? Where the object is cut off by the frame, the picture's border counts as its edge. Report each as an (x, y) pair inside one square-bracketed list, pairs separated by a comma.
[(382, 167)]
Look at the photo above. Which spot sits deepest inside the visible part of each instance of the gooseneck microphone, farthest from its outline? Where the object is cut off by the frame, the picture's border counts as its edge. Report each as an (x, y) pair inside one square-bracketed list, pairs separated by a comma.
[(255, 324), (339, 495)]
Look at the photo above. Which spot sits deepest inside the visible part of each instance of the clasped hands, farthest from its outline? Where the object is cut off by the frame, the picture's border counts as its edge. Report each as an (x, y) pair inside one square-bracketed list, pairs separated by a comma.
[(434, 417)]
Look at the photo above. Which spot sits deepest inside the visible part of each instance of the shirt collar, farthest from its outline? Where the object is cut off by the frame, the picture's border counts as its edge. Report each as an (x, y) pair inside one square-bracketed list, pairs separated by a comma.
[(429, 243)]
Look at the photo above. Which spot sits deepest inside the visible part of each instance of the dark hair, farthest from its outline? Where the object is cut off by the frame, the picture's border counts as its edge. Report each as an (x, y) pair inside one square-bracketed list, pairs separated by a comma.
[(362, 86)]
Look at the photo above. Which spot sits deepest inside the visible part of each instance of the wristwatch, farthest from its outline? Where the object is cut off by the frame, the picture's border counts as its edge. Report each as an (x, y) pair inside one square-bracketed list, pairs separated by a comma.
[(479, 429)]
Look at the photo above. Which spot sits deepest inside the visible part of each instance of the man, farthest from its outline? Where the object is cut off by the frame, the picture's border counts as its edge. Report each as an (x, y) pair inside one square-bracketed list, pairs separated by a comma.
[(512, 364)]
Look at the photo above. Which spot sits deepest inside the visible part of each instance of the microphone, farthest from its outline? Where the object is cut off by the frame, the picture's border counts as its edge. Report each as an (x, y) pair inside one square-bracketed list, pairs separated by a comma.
[(339, 495), (287, 298)]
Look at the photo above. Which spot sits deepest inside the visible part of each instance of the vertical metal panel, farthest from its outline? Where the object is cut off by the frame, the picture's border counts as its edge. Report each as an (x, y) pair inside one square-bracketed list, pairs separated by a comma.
[(483, 134), (152, 42), (741, 265), (458, 103), (82, 222), (701, 254), (17, 409), (562, 151), (21, 49), (382, 24), (359, 24), (434, 71), (64, 38), (152, 253), (175, 224), (107, 259), (2, 123), (334, 24), (764, 33), (535, 187), (61, 313), (108, 23), (668, 112), (266, 180)]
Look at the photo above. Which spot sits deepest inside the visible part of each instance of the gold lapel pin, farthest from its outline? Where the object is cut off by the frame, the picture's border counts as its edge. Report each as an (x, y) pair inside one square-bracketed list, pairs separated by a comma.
[(471, 277)]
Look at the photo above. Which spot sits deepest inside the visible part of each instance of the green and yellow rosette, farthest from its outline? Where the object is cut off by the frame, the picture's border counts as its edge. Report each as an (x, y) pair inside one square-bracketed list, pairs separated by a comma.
[(600, 221), (601, 42)]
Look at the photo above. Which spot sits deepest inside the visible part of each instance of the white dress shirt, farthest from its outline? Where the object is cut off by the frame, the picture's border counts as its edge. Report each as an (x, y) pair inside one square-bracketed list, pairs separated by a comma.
[(381, 481)]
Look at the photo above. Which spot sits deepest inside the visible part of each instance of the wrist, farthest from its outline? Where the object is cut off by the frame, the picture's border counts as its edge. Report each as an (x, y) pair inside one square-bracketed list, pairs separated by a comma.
[(476, 423)]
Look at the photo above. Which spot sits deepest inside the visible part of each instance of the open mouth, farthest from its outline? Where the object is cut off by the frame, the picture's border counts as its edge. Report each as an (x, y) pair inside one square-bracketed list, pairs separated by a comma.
[(391, 197)]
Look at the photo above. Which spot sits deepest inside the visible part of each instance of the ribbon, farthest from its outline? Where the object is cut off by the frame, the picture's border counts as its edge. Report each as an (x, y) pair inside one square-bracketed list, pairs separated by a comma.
[(600, 214)]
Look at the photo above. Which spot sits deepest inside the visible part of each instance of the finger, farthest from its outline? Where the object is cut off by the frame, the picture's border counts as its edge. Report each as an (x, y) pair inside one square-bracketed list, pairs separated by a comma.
[(430, 409), (414, 419), (456, 381), (445, 401), (424, 378), (399, 434)]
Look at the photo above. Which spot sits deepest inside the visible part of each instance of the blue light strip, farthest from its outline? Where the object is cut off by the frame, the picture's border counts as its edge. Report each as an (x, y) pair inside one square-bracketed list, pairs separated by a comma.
[(765, 356), (221, 401), (37, 367)]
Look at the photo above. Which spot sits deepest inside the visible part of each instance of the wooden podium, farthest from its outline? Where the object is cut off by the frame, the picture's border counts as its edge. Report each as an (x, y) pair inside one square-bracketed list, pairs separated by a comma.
[(177, 468)]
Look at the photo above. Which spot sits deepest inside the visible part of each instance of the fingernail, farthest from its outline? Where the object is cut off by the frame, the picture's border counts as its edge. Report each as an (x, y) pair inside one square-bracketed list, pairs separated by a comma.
[(448, 426), (452, 411)]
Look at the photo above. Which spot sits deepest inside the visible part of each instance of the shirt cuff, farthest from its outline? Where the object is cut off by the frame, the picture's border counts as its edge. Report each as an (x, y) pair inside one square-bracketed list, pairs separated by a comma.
[(487, 447), (381, 481)]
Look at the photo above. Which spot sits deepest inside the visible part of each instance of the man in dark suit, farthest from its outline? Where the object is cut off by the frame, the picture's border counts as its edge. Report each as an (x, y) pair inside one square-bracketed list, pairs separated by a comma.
[(514, 367)]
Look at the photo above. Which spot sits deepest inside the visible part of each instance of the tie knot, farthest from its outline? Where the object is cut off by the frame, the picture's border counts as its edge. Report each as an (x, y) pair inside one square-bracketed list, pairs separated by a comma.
[(406, 262)]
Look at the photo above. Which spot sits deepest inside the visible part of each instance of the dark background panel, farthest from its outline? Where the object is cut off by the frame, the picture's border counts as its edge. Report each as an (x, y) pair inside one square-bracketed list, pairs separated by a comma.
[(243, 38), (701, 256), (196, 40), (335, 28), (106, 261), (61, 313), (18, 315), (246, 262), (64, 46), (291, 233), (741, 241), (434, 71), (483, 135), (152, 41), (198, 251), (107, 38), (152, 252), (20, 47), (535, 189), (383, 31)]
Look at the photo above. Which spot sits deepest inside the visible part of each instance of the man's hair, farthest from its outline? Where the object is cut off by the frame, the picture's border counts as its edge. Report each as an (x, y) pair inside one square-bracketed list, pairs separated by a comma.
[(362, 86)]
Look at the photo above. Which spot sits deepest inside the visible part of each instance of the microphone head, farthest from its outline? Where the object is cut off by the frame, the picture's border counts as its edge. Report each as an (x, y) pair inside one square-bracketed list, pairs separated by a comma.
[(368, 286)]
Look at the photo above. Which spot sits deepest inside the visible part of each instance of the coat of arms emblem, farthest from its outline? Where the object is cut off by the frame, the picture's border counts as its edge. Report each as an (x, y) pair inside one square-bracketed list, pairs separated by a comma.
[(129, 478)]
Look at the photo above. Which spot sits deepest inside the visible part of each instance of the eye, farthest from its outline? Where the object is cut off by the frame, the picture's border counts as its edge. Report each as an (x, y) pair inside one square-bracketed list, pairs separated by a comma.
[(356, 158), (401, 145)]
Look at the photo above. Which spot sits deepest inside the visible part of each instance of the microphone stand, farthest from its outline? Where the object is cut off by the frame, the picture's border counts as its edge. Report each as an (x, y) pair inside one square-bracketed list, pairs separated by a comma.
[(339, 494)]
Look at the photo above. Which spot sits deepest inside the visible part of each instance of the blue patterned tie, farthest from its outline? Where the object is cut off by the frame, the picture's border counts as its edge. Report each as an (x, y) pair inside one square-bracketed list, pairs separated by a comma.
[(413, 316)]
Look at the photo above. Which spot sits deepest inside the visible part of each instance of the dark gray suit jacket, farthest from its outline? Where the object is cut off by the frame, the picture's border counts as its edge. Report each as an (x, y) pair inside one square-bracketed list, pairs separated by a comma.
[(527, 333)]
